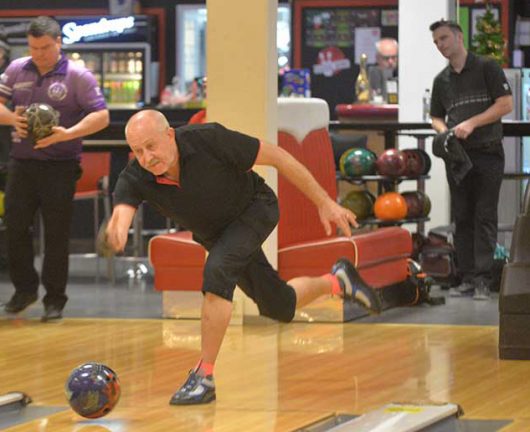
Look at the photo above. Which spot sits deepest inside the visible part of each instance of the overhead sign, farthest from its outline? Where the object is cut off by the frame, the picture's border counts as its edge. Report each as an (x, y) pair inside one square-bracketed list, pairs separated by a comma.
[(89, 29), (102, 29), (106, 29)]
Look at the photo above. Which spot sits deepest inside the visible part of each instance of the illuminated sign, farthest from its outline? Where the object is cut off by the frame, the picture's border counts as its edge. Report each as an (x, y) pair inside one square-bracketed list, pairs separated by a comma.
[(103, 28)]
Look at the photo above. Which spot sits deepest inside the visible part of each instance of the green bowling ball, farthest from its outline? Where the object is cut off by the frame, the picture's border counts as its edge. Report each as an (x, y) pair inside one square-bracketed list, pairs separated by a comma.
[(357, 162), (359, 202)]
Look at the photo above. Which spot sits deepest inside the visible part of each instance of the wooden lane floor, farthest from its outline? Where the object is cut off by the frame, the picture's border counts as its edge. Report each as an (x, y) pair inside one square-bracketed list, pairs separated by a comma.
[(269, 377)]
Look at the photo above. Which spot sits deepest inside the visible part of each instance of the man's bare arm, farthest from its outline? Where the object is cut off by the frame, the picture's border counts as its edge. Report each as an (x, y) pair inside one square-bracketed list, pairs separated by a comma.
[(329, 211)]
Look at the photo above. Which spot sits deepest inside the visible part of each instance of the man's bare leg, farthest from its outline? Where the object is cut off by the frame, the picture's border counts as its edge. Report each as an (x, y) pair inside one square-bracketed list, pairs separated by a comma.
[(215, 317), (344, 280), (199, 388), (309, 289)]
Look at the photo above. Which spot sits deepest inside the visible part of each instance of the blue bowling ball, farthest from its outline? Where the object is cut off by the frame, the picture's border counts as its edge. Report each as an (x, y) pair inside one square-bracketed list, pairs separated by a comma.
[(92, 390)]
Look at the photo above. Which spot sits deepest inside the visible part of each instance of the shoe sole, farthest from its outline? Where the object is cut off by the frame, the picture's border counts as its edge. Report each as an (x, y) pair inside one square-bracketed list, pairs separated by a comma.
[(191, 402), (22, 311), (351, 274)]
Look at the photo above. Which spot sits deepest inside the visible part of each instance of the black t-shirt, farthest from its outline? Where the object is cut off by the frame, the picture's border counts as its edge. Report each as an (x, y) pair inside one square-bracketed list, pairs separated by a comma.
[(459, 96), (216, 180)]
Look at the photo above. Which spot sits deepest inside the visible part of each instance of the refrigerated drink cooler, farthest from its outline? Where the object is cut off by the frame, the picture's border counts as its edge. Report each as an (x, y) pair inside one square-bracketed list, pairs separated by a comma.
[(119, 51), (120, 69)]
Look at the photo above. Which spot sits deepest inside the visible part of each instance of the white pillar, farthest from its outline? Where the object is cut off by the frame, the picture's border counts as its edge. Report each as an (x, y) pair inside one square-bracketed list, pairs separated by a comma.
[(419, 63), (242, 83)]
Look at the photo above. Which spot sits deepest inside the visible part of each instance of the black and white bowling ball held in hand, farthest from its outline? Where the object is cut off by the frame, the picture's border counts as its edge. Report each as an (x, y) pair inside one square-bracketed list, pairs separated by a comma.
[(41, 119)]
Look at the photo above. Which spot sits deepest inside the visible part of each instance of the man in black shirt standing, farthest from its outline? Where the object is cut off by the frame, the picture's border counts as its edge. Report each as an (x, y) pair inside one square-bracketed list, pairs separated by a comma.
[(470, 96), (201, 177)]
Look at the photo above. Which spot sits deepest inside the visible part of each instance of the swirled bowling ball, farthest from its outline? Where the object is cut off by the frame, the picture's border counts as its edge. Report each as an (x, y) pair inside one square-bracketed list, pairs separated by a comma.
[(415, 204), (371, 197), (357, 162), (418, 203), (359, 202), (426, 161), (426, 203), (414, 163), (41, 119), (391, 163), (390, 206), (92, 390)]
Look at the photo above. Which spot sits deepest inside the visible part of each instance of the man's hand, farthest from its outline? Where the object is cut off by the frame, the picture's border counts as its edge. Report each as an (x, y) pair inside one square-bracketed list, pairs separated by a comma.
[(331, 212), (115, 233), (59, 134), (117, 229), (464, 129), (116, 237), (103, 246), (21, 122)]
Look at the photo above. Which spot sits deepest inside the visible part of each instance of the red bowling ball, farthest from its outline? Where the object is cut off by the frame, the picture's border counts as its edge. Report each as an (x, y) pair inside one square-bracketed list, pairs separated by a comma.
[(391, 163), (414, 204), (414, 163)]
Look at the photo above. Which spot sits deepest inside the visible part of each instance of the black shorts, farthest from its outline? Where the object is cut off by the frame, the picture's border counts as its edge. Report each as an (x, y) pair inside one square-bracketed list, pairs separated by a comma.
[(236, 257)]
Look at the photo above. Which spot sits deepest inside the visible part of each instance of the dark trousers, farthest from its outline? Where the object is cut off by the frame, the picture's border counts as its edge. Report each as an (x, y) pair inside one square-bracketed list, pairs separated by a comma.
[(236, 257), (474, 210), (48, 186)]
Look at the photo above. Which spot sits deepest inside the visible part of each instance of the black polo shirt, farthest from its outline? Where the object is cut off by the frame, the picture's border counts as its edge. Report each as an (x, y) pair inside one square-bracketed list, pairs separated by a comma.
[(459, 96), (216, 180)]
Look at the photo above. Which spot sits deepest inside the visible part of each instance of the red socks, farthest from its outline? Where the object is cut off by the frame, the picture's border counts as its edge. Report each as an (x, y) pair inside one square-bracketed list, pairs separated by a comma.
[(203, 368), (336, 290)]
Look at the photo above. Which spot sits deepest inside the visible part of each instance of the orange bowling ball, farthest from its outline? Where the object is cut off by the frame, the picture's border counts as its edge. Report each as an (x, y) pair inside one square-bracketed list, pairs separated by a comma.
[(390, 206)]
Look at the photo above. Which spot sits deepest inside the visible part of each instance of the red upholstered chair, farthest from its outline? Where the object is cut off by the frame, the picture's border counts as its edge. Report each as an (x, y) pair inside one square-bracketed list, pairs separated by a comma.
[(94, 186), (178, 262), (303, 247)]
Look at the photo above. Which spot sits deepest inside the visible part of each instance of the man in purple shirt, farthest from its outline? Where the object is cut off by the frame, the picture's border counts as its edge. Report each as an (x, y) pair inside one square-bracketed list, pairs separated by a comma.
[(42, 174)]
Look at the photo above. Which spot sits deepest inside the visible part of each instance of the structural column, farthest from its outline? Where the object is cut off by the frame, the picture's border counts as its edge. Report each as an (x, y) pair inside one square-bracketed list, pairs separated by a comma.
[(242, 80)]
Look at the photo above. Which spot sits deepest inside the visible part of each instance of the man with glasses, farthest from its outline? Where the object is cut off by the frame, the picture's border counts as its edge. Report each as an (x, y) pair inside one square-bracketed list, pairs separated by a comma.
[(384, 74)]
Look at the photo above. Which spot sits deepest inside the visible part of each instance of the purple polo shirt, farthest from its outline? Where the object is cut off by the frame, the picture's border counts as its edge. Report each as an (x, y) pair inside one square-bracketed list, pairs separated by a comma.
[(70, 89)]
